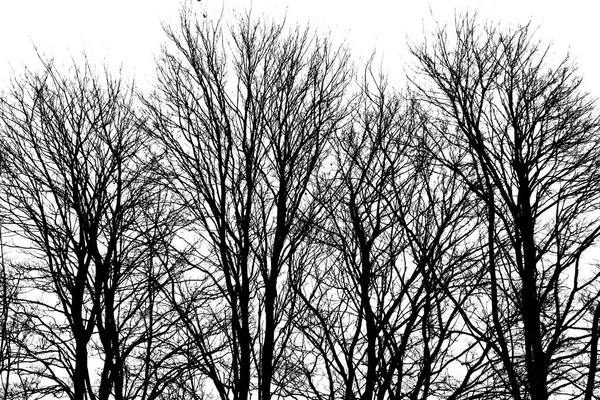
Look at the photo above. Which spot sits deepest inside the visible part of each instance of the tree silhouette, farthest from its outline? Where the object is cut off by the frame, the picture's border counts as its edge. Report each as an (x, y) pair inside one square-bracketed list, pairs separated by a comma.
[(76, 178), (519, 132), (378, 323), (245, 135)]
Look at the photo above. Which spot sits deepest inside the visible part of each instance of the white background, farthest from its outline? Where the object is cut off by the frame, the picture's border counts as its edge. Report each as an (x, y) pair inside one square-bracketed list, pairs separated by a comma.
[(129, 33)]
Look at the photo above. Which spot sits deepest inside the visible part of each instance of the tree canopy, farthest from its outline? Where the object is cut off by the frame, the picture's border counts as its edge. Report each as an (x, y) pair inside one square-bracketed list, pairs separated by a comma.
[(272, 220)]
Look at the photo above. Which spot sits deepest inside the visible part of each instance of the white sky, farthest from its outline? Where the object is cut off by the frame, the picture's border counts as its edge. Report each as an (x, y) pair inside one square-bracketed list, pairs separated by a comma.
[(129, 31)]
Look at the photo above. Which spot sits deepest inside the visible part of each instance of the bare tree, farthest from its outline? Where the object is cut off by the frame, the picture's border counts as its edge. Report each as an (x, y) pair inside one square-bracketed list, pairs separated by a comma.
[(378, 324), (522, 136), (78, 190), (245, 116)]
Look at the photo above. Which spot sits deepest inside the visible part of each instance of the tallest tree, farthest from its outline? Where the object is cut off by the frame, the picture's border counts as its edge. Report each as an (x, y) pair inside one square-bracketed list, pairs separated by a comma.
[(244, 116)]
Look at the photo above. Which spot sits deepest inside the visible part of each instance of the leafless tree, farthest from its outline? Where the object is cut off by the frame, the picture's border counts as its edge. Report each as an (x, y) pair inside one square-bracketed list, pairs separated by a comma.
[(378, 324), (244, 116), (522, 136), (78, 190)]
